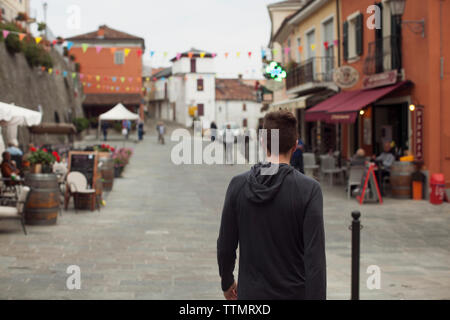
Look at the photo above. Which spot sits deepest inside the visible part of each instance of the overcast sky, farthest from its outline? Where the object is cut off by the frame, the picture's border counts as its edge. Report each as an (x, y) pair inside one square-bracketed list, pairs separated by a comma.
[(174, 26)]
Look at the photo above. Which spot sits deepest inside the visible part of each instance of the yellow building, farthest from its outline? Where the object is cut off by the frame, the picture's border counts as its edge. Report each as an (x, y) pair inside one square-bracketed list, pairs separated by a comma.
[(307, 45)]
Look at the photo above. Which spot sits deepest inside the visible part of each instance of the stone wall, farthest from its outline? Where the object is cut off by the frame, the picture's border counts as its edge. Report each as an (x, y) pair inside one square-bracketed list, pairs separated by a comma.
[(30, 87)]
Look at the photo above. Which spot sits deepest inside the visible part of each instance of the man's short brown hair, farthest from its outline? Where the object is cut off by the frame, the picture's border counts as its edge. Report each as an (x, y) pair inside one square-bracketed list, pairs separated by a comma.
[(286, 123)]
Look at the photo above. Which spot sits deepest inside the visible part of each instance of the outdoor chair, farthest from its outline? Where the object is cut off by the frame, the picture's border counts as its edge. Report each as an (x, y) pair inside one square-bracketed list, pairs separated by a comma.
[(355, 177), (309, 162), (77, 187), (328, 167), (17, 213)]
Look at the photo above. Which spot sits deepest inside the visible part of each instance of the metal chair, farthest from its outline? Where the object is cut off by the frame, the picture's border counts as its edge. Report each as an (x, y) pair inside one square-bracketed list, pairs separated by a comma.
[(17, 213), (309, 162), (328, 166), (355, 177)]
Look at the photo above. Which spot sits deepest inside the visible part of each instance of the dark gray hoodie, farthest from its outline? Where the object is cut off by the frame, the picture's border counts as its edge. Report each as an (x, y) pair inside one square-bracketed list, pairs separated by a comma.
[(277, 220)]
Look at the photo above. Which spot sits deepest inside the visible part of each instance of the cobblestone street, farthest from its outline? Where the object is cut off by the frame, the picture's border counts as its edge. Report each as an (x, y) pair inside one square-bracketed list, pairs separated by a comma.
[(156, 239)]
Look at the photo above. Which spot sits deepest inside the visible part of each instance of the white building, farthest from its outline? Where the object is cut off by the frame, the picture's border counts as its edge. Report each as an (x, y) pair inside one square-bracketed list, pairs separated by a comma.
[(9, 9), (190, 84)]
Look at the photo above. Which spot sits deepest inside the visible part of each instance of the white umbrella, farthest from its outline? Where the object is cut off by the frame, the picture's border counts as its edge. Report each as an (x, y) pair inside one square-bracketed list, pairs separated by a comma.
[(12, 116)]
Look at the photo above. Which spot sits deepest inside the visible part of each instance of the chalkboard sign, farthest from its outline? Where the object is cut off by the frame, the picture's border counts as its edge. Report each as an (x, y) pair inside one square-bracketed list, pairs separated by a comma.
[(86, 163)]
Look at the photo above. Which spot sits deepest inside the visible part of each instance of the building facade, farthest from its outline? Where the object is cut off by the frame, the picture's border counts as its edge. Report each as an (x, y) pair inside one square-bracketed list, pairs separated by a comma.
[(189, 91), (111, 69), (399, 80), (308, 44), (9, 9)]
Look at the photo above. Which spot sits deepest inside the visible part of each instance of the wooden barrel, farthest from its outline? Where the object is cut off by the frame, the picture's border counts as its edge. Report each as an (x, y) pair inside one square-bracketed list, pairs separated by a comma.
[(401, 179), (107, 170), (85, 201), (43, 204)]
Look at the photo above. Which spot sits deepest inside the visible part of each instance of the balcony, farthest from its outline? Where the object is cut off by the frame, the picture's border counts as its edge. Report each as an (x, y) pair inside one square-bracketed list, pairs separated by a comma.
[(312, 74), (383, 55)]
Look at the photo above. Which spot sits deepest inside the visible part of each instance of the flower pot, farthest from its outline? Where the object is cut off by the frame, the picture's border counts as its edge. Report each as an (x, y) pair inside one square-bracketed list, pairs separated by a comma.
[(36, 168), (118, 172)]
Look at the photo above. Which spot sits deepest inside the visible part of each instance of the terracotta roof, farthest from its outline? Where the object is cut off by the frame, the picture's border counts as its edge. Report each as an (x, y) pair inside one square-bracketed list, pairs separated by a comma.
[(105, 33), (234, 89), (165, 72), (196, 54), (107, 99), (156, 70)]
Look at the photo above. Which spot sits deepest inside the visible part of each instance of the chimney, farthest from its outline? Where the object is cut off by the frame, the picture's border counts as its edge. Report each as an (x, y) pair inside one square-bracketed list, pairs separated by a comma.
[(101, 32), (240, 76)]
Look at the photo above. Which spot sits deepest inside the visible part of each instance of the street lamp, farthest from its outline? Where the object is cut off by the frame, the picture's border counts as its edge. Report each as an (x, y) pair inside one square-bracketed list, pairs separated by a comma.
[(398, 9)]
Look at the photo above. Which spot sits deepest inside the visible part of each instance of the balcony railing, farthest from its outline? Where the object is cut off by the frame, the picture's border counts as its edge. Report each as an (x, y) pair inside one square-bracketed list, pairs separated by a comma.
[(384, 55), (313, 70)]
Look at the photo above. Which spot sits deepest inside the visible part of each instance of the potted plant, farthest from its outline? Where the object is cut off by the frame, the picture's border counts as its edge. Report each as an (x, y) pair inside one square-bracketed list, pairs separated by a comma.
[(41, 160), (104, 150), (121, 159)]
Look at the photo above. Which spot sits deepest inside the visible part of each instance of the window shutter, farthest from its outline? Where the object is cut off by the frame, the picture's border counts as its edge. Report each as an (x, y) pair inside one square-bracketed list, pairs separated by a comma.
[(193, 66), (200, 109), (359, 34), (345, 40)]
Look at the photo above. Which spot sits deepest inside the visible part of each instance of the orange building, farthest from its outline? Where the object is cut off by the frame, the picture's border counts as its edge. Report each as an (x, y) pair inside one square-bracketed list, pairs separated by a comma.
[(111, 69), (395, 80)]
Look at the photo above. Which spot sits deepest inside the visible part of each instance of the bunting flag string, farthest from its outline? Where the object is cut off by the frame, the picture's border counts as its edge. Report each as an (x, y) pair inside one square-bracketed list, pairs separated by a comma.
[(152, 53)]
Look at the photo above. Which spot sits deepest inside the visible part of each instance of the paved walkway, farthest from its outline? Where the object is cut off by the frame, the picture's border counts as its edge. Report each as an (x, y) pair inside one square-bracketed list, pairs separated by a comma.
[(156, 239)]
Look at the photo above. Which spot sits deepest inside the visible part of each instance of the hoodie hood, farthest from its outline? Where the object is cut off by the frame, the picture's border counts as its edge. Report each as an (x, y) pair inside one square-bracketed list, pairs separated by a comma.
[(263, 188)]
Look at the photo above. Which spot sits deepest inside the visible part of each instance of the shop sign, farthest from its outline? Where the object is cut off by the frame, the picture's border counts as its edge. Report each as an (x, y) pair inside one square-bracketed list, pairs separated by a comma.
[(345, 77), (418, 138), (380, 79)]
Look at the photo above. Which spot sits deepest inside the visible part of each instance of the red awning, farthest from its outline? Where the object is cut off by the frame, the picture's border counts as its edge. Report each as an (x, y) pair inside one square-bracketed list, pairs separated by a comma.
[(318, 112), (343, 107)]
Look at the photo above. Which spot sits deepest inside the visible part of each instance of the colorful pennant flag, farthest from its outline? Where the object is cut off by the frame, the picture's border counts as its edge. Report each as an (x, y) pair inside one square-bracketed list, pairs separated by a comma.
[(38, 40), (178, 56), (98, 78), (139, 52), (249, 54), (69, 45), (22, 36), (98, 48), (74, 75), (313, 47), (122, 79), (263, 53), (113, 50), (127, 52), (84, 46), (190, 55), (336, 42), (152, 53), (238, 54), (202, 55)]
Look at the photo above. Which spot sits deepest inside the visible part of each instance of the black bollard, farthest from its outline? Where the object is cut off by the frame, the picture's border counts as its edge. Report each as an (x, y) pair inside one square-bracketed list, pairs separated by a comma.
[(356, 228)]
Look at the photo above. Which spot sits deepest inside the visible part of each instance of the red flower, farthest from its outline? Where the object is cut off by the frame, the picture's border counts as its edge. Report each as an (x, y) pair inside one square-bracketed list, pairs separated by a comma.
[(103, 146), (113, 149), (45, 150), (33, 149)]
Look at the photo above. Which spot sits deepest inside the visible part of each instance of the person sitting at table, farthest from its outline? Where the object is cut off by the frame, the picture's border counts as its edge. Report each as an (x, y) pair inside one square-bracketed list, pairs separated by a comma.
[(384, 161), (8, 168), (359, 158)]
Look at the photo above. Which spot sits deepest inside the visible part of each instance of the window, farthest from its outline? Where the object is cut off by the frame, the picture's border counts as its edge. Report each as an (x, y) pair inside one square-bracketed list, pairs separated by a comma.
[(311, 40), (328, 37), (289, 51), (200, 85), (244, 107), (200, 109), (193, 66), (353, 37), (245, 123), (298, 54), (119, 57)]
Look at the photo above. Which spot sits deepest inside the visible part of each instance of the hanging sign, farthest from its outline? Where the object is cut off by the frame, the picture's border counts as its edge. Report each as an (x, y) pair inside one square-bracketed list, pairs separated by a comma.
[(380, 79), (345, 77), (275, 71), (418, 139)]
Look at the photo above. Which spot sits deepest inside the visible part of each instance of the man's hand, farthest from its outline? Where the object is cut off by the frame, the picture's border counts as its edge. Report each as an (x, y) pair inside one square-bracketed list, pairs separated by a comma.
[(231, 294)]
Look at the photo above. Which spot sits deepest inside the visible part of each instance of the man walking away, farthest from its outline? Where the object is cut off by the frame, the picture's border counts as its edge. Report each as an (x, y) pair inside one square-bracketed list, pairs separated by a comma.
[(277, 221), (228, 139), (213, 131)]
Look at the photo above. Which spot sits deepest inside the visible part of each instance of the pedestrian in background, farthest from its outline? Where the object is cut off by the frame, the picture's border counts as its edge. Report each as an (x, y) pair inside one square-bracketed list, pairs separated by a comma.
[(105, 127), (160, 128), (297, 157), (213, 131), (228, 140), (141, 130), (275, 215)]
